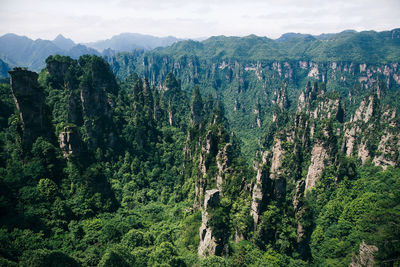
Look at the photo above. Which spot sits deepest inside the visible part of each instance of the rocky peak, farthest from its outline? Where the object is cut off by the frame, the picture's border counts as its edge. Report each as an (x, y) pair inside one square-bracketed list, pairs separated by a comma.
[(30, 102), (260, 187), (366, 109), (209, 244), (319, 155), (57, 68), (224, 160), (369, 116), (281, 99), (307, 96)]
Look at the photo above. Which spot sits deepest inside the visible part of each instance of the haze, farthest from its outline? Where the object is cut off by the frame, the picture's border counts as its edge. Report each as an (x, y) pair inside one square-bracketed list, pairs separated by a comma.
[(85, 21)]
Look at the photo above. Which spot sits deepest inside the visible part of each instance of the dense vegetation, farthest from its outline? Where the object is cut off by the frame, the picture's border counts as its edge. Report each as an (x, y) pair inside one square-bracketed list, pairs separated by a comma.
[(124, 187), (245, 72)]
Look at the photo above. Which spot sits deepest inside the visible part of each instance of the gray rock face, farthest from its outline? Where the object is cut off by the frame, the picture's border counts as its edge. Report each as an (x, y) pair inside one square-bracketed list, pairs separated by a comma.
[(209, 245), (359, 131), (365, 257), (30, 102), (259, 188), (277, 157), (318, 156), (224, 158), (70, 142)]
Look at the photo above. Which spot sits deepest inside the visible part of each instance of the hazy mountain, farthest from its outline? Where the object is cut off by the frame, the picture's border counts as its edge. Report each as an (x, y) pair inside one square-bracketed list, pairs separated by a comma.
[(63, 43), (4, 68), (22, 51), (126, 42), (79, 50)]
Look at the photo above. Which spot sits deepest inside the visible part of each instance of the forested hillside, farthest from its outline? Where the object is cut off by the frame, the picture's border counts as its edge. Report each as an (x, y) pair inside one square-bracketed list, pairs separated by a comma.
[(244, 73), (205, 154)]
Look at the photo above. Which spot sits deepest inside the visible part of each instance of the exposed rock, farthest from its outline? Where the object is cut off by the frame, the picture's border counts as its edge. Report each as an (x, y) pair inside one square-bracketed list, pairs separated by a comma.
[(171, 117), (209, 152), (277, 157), (30, 102), (369, 117), (209, 245), (259, 189), (318, 156), (258, 122), (281, 98), (363, 152), (388, 148), (96, 108), (224, 158), (314, 72), (365, 110), (366, 256), (298, 196), (70, 142), (349, 140)]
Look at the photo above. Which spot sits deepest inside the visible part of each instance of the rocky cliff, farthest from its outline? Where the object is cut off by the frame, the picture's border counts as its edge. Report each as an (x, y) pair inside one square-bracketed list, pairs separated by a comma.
[(209, 244), (30, 102), (371, 133)]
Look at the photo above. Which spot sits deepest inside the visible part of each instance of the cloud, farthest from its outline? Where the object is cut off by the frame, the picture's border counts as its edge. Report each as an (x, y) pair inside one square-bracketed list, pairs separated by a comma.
[(91, 20)]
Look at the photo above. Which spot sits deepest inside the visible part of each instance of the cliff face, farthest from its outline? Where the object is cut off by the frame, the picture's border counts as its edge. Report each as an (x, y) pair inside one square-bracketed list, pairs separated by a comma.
[(259, 190), (210, 154), (209, 244), (30, 102), (88, 86), (371, 133), (70, 142)]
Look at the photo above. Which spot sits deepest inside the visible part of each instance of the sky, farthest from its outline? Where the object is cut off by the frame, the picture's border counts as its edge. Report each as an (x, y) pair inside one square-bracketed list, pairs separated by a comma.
[(92, 20)]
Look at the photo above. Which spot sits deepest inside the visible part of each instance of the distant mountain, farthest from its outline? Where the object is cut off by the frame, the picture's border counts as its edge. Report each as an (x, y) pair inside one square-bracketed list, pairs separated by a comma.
[(22, 51), (4, 68), (286, 36), (79, 50), (127, 42), (366, 46), (63, 43)]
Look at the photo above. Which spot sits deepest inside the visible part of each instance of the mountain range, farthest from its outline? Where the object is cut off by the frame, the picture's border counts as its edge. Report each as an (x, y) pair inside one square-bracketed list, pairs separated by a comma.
[(345, 46), (233, 151), (22, 51)]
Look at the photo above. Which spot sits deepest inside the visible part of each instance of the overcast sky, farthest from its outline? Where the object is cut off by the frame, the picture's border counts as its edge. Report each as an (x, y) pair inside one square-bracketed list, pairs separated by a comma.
[(91, 20)]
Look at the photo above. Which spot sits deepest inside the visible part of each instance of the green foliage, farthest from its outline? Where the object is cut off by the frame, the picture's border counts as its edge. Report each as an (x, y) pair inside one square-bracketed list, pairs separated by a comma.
[(125, 188), (349, 215), (43, 257)]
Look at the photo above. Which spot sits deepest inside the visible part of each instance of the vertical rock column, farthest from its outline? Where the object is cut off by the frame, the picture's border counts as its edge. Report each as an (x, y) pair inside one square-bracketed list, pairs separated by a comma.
[(30, 102), (209, 245)]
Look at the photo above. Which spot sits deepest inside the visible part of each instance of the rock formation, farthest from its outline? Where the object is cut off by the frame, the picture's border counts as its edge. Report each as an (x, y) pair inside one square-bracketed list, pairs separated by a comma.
[(365, 258), (224, 160), (318, 157), (30, 102), (259, 188), (70, 142), (209, 244), (369, 117)]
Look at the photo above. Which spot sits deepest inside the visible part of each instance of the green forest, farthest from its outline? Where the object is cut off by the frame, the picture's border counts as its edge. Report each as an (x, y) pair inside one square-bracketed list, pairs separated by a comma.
[(191, 156)]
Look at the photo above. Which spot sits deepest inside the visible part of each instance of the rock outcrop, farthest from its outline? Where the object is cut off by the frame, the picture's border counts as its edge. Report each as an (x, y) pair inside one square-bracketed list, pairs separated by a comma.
[(319, 155), (224, 160), (372, 133), (365, 258), (209, 244), (30, 102), (70, 142), (258, 197)]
